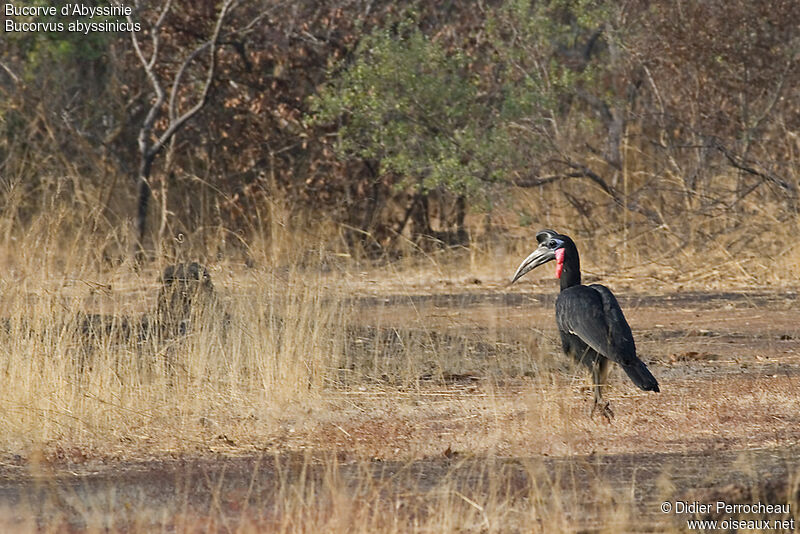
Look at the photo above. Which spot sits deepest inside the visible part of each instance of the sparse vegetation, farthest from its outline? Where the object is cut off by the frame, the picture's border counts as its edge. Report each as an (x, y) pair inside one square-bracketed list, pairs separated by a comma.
[(360, 184), (369, 405)]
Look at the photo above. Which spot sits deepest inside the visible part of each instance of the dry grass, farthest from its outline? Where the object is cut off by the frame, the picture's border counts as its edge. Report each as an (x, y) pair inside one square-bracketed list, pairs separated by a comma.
[(308, 494), (387, 415), (123, 392)]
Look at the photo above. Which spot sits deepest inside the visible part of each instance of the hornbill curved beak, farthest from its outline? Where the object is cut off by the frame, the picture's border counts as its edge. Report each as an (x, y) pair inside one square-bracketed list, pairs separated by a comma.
[(541, 255), (550, 248)]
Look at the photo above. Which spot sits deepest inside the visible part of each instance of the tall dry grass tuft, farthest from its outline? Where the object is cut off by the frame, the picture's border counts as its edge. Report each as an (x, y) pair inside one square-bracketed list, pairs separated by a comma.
[(85, 366)]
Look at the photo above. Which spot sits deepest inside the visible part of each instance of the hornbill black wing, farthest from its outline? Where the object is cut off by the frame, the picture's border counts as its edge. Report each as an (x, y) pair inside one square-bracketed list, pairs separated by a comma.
[(593, 314)]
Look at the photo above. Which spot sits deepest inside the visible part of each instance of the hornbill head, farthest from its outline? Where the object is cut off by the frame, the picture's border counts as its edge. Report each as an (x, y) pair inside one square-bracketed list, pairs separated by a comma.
[(552, 246)]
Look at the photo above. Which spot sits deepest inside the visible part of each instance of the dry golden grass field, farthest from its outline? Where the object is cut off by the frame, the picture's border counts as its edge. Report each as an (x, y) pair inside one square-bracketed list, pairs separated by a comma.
[(255, 263), (424, 395)]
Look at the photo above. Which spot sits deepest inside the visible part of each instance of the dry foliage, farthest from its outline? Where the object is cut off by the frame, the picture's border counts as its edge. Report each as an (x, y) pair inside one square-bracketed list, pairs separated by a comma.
[(674, 170)]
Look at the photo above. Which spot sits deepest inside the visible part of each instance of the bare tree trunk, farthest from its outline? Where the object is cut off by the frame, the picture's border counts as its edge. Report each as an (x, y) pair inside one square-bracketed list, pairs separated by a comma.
[(149, 149), (461, 214), (420, 220), (142, 204)]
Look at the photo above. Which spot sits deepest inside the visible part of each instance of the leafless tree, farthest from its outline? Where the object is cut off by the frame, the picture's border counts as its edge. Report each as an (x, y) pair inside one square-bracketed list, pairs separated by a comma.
[(152, 142)]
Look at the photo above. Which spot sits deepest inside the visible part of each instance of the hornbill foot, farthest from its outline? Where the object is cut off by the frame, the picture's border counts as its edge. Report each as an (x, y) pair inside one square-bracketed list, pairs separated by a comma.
[(605, 411)]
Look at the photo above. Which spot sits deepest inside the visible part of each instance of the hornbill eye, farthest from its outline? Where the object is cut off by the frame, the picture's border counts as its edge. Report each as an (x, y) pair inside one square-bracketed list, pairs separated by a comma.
[(552, 244)]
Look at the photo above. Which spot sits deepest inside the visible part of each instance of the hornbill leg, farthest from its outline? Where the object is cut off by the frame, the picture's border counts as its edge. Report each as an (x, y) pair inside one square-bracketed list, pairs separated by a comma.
[(605, 410), (600, 371)]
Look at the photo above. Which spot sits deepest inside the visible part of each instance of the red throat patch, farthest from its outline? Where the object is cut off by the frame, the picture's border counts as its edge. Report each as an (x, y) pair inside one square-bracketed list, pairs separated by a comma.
[(559, 261)]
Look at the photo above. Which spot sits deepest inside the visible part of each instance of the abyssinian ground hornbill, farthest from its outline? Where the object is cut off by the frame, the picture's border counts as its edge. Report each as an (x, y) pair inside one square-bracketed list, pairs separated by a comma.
[(592, 327)]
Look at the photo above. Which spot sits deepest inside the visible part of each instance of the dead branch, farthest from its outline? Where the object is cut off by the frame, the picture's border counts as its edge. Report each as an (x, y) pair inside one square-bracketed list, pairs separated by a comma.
[(742, 165), (149, 149), (582, 171)]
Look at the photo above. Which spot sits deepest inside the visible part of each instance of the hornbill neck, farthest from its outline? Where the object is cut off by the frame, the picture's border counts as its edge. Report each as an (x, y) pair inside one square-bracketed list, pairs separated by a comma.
[(571, 272)]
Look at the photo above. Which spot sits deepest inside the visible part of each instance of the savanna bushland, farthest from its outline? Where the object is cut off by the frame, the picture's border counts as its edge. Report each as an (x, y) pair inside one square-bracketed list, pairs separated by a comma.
[(357, 180)]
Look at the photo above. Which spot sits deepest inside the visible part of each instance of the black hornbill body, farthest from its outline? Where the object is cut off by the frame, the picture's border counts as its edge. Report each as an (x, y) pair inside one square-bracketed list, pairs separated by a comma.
[(592, 327)]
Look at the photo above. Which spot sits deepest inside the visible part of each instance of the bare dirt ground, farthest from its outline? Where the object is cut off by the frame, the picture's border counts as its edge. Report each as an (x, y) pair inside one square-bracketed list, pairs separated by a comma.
[(502, 413)]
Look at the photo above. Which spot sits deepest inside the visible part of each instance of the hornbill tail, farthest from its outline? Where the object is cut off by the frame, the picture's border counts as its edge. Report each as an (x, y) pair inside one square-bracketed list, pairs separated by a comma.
[(641, 376)]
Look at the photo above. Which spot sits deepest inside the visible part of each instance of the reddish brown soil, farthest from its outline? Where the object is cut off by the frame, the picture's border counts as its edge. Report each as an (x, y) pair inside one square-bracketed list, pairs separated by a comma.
[(728, 416)]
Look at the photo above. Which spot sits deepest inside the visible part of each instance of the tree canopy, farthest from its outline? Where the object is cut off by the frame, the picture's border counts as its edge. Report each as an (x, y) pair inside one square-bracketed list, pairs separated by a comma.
[(399, 119)]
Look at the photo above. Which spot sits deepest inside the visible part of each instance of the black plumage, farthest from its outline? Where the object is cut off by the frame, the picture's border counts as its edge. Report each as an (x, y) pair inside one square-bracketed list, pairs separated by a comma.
[(592, 326)]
